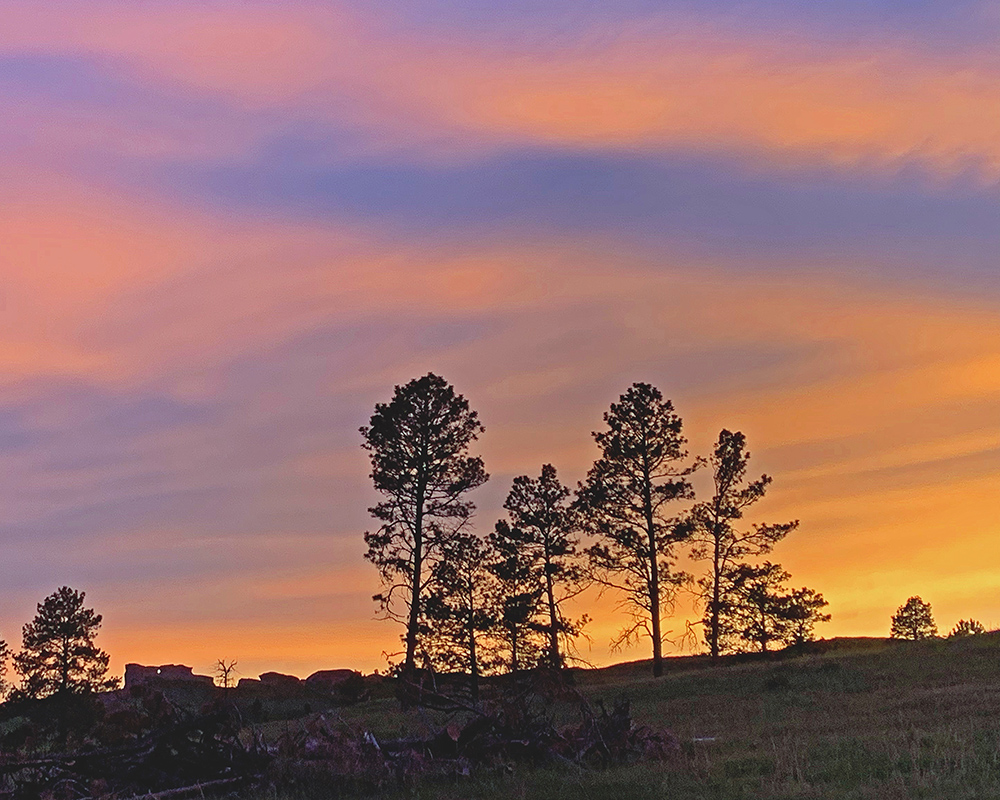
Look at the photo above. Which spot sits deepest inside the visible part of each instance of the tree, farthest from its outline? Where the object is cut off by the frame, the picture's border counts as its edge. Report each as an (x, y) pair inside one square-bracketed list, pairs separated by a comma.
[(804, 611), (518, 598), (539, 546), (418, 445), (624, 504), (225, 672), (4, 658), (458, 609), (759, 611), (913, 620), (58, 655), (967, 627), (715, 534)]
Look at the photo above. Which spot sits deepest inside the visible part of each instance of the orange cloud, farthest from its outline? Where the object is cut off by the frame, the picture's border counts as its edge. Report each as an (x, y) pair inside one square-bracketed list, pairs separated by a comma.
[(851, 108), (678, 84)]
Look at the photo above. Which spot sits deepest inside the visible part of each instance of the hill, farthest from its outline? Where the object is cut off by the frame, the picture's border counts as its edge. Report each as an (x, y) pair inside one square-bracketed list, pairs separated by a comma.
[(858, 718)]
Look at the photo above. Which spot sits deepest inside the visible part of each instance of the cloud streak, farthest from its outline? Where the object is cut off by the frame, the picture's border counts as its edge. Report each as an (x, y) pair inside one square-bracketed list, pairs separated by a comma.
[(681, 83)]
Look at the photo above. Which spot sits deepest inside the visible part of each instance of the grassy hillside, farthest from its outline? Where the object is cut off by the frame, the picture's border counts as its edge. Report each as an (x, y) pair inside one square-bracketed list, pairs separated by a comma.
[(865, 719)]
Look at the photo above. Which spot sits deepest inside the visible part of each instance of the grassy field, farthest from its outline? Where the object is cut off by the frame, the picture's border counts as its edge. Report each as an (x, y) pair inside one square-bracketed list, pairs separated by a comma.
[(866, 719)]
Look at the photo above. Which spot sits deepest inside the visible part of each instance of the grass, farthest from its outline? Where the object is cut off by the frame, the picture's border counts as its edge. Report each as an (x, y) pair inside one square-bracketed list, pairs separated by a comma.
[(868, 719)]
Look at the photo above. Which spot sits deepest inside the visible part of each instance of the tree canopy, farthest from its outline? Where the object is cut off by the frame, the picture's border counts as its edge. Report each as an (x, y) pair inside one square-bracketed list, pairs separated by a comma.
[(759, 612), (540, 544), (913, 620), (4, 658), (58, 653)]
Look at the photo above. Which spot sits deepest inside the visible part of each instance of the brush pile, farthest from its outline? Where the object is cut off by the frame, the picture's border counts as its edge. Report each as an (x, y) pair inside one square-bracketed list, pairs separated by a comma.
[(181, 754), (340, 757), (156, 750)]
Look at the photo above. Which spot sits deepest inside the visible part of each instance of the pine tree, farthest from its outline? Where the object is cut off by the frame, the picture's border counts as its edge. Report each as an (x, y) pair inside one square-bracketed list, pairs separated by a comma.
[(418, 444), (518, 598), (967, 627), (715, 532), (624, 504), (539, 545), (805, 609), (759, 612), (58, 655), (459, 611)]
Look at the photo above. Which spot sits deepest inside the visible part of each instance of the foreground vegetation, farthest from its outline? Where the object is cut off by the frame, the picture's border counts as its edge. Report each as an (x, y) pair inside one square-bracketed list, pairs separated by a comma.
[(847, 718), (865, 719)]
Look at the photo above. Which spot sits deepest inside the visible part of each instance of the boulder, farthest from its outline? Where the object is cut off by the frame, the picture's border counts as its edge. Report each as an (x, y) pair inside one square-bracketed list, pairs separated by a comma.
[(330, 678), (278, 679)]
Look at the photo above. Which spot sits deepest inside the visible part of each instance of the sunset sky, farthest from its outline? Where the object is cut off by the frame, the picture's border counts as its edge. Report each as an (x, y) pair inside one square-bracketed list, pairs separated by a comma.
[(229, 227)]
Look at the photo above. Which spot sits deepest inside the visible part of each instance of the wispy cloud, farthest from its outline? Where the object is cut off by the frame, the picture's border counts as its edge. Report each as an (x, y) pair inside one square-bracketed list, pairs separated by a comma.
[(681, 83)]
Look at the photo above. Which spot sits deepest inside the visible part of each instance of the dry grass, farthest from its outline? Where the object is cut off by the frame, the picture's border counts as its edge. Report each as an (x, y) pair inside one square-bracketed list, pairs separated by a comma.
[(870, 720)]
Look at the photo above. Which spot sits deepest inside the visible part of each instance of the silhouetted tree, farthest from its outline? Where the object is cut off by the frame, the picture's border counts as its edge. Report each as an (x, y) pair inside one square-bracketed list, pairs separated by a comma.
[(624, 504), (715, 534), (754, 609), (759, 611), (804, 611), (518, 598), (4, 658), (540, 547), (913, 620), (459, 609), (967, 627), (225, 672), (418, 444), (58, 655)]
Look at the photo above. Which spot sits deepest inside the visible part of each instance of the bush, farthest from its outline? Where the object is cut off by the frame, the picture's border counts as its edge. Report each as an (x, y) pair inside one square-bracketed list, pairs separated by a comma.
[(967, 627)]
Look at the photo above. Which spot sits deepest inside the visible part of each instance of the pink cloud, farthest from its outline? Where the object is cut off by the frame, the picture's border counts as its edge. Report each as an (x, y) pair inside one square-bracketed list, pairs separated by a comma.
[(682, 84)]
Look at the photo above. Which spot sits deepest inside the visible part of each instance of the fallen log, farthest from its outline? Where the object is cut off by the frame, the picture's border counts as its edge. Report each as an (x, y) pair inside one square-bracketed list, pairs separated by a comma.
[(197, 789)]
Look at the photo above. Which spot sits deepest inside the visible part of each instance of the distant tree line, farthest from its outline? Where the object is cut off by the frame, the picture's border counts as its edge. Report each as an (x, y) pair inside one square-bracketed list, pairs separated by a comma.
[(498, 603)]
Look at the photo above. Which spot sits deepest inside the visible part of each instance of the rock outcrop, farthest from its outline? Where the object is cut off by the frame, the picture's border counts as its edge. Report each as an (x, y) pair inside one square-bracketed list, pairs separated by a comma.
[(137, 674), (330, 678), (279, 679)]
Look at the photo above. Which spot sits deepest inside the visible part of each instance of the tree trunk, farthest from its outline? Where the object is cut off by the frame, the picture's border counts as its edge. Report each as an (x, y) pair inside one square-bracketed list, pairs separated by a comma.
[(716, 601), (413, 622), (473, 660), (554, 659), (654, 602), (414, 619), (513, 650), (64, 667), (473, 667), (654, 570), (654, 581)]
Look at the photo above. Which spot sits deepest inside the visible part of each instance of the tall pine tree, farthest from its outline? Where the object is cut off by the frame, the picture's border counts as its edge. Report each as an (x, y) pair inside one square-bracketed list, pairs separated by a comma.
[(418, 444), (626, 503)]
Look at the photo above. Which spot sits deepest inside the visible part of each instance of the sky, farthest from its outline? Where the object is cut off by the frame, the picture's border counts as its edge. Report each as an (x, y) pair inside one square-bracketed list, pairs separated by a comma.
[(229, 228)]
